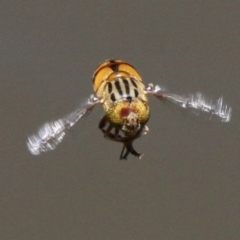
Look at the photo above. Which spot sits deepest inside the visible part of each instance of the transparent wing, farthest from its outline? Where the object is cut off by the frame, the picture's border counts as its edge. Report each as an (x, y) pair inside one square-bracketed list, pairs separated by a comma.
[(52, 133), (195, 103)]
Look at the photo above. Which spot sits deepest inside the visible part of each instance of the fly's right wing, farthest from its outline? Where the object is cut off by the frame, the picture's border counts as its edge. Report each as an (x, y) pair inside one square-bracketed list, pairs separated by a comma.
[(195, 103), (52, 133)]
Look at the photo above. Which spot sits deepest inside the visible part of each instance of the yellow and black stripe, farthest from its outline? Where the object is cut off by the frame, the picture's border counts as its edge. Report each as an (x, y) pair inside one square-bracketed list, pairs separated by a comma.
[(122, 88)]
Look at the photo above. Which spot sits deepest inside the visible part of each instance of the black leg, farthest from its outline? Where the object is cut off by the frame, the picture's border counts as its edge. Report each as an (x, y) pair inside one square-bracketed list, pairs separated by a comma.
[(129, 149), (123, 157)]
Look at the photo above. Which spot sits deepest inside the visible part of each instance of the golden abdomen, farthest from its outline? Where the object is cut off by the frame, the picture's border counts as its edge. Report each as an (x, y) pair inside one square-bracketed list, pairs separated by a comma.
[(110, 70)]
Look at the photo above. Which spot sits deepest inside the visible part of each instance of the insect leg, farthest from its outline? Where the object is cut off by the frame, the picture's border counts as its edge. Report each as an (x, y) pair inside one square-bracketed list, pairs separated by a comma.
[(123, 157), (129, 149)]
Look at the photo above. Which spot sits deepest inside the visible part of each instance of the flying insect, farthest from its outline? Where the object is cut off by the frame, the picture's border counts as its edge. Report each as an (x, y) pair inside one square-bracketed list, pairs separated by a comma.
[(119, 88)]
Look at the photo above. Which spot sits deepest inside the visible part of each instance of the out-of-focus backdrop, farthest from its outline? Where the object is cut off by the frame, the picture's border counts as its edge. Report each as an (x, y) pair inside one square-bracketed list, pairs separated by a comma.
[(187, 184)]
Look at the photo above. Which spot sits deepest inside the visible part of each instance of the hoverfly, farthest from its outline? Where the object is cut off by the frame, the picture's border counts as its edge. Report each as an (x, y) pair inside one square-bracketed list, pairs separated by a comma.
[(119, 88)]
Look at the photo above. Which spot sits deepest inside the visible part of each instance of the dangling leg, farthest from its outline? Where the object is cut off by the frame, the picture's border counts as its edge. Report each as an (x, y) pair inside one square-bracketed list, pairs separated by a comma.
[(126, 140), (123, 157), (107, 132), (129, 149), (102, 124)]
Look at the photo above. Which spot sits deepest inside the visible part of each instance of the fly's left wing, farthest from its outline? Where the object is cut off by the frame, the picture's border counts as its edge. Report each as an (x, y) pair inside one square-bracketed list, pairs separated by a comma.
[(195, 103), (52, 133)]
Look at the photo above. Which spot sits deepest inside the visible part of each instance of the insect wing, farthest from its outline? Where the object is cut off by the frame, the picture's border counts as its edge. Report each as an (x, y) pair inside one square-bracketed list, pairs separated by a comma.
[(52, 133), (195, 103)]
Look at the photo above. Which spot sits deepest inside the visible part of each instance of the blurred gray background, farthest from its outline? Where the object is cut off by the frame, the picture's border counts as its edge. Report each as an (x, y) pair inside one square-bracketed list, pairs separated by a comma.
[(187, 184)]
